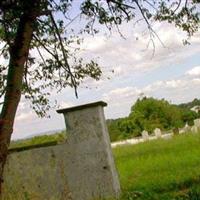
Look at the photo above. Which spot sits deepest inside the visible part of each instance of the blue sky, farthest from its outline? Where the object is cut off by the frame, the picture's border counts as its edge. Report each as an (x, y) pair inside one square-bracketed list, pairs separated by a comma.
[(172, 73)]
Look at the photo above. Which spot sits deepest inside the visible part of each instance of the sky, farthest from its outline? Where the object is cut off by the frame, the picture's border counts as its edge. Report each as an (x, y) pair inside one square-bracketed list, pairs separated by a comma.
[(130, 69)]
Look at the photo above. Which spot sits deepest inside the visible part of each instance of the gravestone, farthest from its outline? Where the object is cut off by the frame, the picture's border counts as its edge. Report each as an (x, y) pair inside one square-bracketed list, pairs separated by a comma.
[(197, 123), (187, 128), (194, 129), (158, 133), (145, 135), (91, 172)]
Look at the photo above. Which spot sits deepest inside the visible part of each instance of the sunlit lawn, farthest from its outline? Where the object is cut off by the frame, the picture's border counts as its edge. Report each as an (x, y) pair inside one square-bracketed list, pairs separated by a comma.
[(161, 169)]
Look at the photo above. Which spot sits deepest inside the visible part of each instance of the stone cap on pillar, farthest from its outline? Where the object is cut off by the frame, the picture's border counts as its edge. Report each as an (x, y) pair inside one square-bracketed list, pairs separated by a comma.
[(81, 107)]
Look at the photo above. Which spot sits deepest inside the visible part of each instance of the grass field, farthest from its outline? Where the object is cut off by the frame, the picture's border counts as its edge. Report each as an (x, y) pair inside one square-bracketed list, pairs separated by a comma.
[(41, 140), (160, 169)]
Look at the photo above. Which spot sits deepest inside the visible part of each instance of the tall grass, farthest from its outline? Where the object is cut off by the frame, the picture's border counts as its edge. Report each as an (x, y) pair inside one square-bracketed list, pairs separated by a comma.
[(160, 169)]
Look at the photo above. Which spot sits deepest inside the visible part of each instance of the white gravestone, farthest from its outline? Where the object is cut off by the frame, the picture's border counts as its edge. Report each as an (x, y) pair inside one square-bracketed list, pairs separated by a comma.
[(158, 133), (194, 129), (187, 128), (91, 172), (197, 123), (145, 135)]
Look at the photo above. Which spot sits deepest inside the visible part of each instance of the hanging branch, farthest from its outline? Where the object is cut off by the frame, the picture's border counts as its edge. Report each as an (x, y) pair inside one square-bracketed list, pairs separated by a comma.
[(152, 32), (120, 4), (152, 5), (41, 56), (48, 51), (179, 3), (114, 16), (73, 80)]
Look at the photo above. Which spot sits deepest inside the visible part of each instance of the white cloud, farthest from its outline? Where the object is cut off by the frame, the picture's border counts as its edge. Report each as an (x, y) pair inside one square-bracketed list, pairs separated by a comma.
[(131, 55), (194, 71), (24, 113), (94, 43), (196, 80), (121, 93), (173, 83), (22, 117)]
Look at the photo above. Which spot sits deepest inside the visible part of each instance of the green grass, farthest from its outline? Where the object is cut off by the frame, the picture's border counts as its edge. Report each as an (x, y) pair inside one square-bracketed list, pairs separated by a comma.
[(43, 140), (160, 169)]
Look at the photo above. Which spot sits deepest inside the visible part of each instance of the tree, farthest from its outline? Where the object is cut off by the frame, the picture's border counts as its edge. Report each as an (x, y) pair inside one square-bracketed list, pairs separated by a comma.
[(153, 113), (27, 27)]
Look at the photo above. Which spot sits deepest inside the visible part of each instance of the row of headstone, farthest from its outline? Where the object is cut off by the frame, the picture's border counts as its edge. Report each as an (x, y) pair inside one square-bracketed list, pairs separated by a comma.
[(158, 133), (193, 129)]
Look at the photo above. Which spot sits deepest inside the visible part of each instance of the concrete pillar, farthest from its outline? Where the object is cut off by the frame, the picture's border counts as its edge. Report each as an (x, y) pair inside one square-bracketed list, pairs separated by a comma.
[(90, 172)]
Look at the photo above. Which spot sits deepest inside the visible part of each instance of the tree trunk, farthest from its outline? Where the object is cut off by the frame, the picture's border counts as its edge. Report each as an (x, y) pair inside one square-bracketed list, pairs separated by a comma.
[(18, 55)]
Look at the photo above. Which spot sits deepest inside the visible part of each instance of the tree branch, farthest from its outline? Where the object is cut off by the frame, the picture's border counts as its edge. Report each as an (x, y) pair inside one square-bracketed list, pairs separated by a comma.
[(120, 4), (73, 80), (179, 3), (47, 50), (41, 56), (115, 20), (151, 30), (151, 4)]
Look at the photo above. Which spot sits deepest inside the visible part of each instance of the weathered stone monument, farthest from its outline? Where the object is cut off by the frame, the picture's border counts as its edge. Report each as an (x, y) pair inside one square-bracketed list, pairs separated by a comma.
[(82, 168), (90, 168), (158, 133), (145, 135)]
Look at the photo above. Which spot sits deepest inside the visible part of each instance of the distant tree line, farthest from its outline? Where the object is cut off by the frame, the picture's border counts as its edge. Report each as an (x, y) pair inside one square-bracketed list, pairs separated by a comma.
[(150, 113), (195, 102)]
